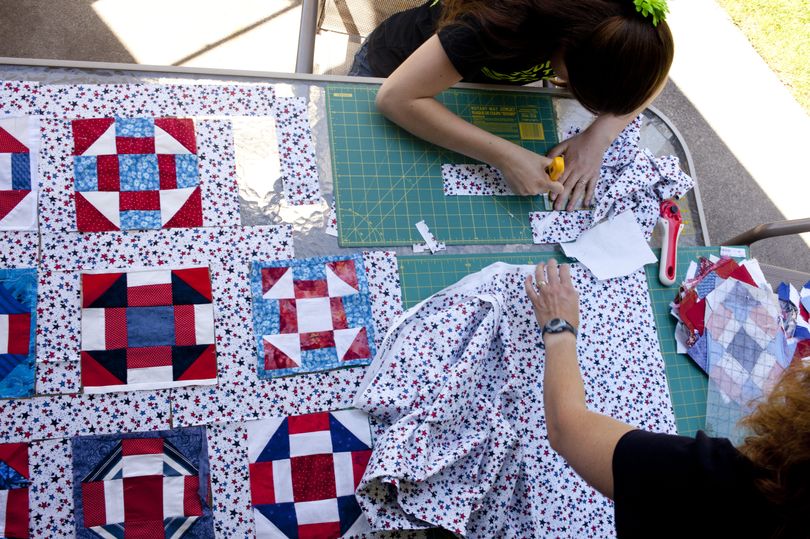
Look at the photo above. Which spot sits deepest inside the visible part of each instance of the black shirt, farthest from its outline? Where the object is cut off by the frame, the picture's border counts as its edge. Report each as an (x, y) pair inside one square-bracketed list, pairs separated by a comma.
[(675, 486), (477, 56)]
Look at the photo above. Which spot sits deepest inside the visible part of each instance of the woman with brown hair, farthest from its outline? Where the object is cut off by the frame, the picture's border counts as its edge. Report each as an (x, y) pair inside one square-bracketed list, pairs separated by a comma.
[(674, 486), (613, 55)]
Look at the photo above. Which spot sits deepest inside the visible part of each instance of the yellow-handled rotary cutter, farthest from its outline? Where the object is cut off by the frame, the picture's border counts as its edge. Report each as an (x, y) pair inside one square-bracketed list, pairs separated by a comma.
[(556, 168)]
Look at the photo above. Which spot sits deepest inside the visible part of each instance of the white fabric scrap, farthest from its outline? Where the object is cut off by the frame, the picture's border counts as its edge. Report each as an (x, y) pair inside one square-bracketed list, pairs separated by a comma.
[(613, 248), (430, 241), (734, 252), (331, 221)]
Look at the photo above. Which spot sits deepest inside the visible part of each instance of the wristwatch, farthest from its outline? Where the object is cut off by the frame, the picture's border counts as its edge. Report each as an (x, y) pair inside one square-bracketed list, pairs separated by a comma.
[(558, 325)]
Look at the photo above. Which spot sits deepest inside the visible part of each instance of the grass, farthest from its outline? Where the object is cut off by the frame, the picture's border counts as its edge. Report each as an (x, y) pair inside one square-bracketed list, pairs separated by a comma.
[(780, 32)]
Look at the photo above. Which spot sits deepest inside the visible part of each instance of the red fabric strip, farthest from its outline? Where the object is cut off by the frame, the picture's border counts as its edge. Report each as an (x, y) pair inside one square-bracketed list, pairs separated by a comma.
[(115, 328)]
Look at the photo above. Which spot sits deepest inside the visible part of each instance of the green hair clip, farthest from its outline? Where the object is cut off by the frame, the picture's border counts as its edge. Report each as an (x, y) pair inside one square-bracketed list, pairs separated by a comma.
[(657, 8)]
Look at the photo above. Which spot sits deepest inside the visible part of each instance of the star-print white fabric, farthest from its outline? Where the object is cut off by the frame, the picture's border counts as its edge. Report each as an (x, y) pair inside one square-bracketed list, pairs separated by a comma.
[(299, 171), (457, 391), (477, 179), (559, 226), (631, 178), (19, 248)]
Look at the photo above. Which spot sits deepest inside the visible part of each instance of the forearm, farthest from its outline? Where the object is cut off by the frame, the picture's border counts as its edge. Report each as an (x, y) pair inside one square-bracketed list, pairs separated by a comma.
[(563, 390), (608, 126)]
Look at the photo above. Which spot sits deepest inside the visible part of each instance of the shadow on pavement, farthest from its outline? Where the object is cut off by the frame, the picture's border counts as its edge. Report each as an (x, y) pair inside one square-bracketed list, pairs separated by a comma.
[(732, 200), (61, 30)]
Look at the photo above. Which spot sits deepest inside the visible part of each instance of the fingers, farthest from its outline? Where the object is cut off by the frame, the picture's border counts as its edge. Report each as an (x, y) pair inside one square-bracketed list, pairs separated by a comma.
[(555, 188), (540, 273), (553, 274), (576, 194), (561, 200), (557, 150), (565, 275), (589, 192)]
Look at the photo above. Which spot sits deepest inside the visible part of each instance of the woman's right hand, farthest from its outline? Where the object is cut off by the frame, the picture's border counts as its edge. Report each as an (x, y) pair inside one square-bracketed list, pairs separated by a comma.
[(525, 172)]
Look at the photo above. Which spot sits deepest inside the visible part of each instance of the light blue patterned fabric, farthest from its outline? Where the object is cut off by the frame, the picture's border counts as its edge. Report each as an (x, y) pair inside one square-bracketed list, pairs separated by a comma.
[(85, 173), (188, 174), (140, 219), (134, 127), (139, 172)]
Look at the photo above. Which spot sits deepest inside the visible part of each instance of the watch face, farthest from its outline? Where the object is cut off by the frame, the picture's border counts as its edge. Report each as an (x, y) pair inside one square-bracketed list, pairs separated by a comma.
[(555, 324)]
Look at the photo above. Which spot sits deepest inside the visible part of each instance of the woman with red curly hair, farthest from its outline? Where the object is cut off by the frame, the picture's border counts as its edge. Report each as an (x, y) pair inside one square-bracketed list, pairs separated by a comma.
[(613, 56), (674, 486)]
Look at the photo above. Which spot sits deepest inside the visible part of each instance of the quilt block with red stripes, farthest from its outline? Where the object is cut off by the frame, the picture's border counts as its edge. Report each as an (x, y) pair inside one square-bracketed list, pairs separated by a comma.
[(147, 329), (142, 485)]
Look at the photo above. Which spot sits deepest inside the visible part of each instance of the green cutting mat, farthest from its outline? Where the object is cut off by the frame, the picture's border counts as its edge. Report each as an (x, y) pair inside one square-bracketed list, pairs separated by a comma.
[(386, 180), (422, 276)]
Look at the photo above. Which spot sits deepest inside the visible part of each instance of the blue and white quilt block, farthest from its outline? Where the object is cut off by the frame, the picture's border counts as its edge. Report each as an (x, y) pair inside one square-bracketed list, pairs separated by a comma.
[(311, 315)]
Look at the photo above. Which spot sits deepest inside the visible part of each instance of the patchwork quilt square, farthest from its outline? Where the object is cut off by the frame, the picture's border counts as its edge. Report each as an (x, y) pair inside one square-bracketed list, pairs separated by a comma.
[(136, 173), (147, 329), (19, 149), (142, 485), (14, 482), (304, 471), (18, 302), (311, 315)]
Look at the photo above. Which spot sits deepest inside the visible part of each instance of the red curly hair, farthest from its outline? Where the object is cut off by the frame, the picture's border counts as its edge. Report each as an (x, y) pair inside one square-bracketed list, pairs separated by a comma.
[(780, 445)]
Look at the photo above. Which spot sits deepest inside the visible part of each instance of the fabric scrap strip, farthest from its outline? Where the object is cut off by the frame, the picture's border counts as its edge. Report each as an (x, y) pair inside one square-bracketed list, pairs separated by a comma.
[(299, 170)]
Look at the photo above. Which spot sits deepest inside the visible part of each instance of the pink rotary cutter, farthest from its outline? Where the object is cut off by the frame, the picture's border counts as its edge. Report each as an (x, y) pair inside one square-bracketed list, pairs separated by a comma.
[(672, 223)]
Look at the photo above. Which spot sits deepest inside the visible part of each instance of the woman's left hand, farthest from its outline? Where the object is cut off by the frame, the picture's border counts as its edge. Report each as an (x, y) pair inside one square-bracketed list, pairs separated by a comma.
[(583, 159), (554, 295)]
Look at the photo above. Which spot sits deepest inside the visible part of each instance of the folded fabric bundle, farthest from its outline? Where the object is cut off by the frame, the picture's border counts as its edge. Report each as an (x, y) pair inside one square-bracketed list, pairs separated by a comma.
[(456, 393), (631, 178)]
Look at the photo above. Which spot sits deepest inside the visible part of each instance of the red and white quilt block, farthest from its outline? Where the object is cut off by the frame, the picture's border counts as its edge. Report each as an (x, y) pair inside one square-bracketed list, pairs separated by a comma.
[(303, 474), (14, 483), (19, 180), (311, 315), (148, 329), (136, 173), (142, 485)]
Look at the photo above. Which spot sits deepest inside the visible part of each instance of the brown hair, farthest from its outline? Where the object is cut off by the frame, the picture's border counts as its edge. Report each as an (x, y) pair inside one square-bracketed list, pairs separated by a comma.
[(616, 59), (780, 446)]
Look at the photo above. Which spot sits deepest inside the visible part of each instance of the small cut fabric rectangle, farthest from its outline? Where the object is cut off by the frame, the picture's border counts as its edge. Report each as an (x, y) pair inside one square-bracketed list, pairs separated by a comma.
[(19, 179), (303, 474), (136, 173), (142, 485), (147, 329), (18, 313), (14, 482), (311, 315)]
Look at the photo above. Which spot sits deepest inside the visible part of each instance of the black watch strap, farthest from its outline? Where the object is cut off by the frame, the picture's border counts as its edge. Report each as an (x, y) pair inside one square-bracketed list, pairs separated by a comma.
[(558, 325)]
